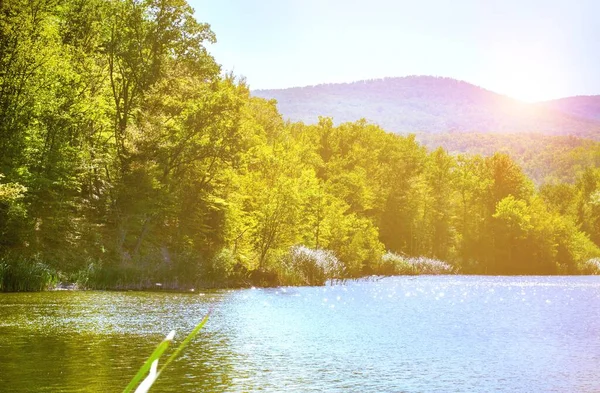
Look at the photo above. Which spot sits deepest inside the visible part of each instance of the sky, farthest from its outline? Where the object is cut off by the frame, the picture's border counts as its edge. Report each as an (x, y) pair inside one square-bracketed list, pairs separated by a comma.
[(531, 50)]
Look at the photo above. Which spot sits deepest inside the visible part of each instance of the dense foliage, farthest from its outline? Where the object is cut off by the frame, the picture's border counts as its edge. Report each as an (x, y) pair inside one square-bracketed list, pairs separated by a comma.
[(544, 158), (127, 159)]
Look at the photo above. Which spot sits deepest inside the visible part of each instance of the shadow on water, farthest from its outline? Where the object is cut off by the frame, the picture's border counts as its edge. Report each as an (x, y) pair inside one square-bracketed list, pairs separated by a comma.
[(90, 363), (56, 343)]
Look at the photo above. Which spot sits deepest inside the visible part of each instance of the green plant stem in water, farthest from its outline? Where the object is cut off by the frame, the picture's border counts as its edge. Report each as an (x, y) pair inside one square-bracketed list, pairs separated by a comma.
[(158, 352), (185, 342)]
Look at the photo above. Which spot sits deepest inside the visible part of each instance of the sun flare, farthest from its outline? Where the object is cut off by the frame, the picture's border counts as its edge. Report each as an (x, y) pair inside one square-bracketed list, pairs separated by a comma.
[(527, 87)]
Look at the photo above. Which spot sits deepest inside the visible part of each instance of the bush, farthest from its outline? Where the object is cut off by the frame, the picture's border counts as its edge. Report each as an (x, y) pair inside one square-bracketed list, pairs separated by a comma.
[(395, 264), (355, 242), (87, 275), (217, 270), (147, 273), (591, 266), (307, 266), (430, 266)]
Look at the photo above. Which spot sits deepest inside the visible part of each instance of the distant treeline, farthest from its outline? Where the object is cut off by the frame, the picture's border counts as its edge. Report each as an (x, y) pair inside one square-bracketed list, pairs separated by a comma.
[(128, 159), (544, 158)]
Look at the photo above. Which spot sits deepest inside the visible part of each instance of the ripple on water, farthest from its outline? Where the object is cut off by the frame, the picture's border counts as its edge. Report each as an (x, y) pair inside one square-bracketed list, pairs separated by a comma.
[(434, 334)]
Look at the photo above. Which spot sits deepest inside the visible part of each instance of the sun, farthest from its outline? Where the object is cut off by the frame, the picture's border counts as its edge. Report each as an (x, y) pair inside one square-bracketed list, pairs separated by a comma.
[(528, 72), (527, 82), (528, 88)]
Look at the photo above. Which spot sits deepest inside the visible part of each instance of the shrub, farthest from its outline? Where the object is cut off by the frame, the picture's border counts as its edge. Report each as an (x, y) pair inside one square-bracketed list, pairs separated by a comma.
[(395, 264), (307, 266), (217, 270), (142, 275), (591, 266), (87, 275), (430, 266)]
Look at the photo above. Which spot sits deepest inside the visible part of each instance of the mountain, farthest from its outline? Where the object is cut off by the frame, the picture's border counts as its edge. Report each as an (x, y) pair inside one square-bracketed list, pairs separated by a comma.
[(426, 104), (585, 107)]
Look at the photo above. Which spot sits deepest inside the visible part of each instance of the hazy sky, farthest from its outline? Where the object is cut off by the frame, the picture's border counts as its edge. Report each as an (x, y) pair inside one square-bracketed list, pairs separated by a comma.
[(528, 49)]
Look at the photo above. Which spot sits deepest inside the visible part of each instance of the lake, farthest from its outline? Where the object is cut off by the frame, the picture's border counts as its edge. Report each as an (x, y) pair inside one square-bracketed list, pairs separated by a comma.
[(397, 334)]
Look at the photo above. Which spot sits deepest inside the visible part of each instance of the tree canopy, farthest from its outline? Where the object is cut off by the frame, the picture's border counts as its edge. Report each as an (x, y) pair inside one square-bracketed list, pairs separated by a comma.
[(128, 158)]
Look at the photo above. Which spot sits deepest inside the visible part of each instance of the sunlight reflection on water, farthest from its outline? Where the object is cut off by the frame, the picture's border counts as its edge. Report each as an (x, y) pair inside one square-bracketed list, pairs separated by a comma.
[(401, 334)]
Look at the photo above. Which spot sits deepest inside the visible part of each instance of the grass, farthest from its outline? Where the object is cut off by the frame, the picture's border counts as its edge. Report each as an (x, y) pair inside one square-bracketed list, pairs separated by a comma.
[(591, 266), (149, 368), (307, 266), (395, 264), (21, 274)]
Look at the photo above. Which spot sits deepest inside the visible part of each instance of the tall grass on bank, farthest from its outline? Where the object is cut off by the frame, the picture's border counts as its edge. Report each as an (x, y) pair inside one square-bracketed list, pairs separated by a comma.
[(307, 266), (300, 265), (395, 264), (591, 266), (22, 274), (131, 276)]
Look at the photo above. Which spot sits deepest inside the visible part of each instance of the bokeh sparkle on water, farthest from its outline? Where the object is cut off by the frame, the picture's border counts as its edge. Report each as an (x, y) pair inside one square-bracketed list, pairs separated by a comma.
[(399, 334)]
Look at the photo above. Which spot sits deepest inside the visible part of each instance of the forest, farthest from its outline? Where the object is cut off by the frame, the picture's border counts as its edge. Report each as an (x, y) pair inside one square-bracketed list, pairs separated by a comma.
[(129, 159), (543, 158)]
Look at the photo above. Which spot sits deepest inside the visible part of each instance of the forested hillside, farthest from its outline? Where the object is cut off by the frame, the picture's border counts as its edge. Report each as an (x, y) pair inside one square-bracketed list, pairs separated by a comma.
[(551, 140), (544, 158), (584, 107), (425, 104), (128, 159)]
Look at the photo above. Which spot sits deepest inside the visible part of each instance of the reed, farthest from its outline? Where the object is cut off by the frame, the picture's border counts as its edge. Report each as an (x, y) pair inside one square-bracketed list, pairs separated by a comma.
[(395, 264), (307, 266), (25, 274), (591, 267), (150, 366)]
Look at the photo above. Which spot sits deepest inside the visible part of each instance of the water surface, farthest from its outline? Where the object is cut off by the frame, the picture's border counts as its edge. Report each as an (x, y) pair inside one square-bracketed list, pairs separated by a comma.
[(401, 334)]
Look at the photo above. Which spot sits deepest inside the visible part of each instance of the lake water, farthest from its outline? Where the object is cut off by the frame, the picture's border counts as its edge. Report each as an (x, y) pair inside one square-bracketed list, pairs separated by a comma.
[(398, 334)]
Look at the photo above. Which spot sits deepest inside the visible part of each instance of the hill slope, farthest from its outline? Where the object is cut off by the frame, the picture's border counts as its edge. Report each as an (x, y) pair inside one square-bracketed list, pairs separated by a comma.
[(429, 104), (585, 107)]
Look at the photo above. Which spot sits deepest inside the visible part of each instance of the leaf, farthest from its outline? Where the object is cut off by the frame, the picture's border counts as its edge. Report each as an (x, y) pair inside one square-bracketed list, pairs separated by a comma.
[(160, 349), (152, 363), (185, 342)]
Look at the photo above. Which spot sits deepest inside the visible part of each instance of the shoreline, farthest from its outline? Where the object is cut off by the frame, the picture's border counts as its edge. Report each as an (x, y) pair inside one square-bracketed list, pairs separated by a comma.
[(200, 290)]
